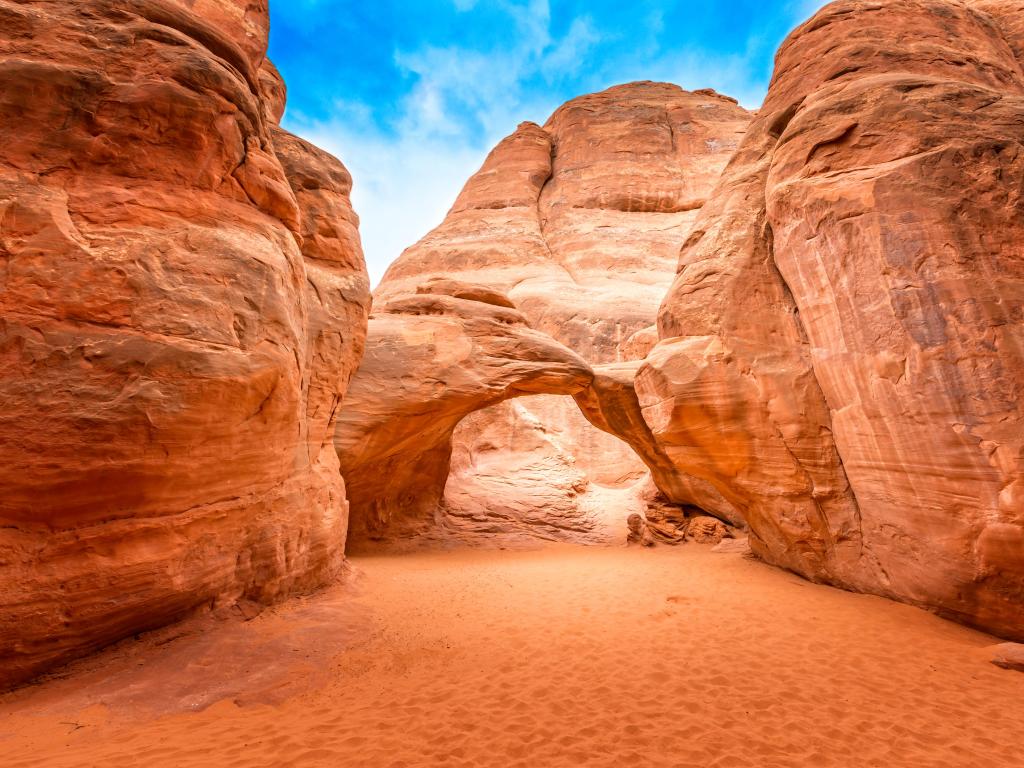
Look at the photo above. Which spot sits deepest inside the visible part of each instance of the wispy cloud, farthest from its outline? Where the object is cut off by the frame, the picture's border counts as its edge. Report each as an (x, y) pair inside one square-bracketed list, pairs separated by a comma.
[(403, 184), (458, 95), (409, 169)]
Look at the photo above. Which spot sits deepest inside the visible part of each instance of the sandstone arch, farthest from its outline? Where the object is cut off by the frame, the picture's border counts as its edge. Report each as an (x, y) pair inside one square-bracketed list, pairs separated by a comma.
[(450, 350), (579, 221), (431, 359)]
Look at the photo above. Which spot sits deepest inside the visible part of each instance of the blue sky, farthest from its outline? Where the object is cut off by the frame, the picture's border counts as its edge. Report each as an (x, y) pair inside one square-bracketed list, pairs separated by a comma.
[(411, 95)]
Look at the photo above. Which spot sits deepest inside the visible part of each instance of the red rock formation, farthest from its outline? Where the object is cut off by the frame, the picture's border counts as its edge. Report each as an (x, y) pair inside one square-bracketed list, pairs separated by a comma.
[(580, 223), (431, 359), (841, 352), (611, 404), (182, 301)]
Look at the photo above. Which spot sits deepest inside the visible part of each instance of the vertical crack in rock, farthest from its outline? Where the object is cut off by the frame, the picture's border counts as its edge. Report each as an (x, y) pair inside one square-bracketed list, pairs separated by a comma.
[(790, 305)]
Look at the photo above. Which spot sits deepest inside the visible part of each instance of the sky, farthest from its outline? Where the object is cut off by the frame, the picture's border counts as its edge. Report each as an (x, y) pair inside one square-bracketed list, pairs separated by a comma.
[(412, 94)]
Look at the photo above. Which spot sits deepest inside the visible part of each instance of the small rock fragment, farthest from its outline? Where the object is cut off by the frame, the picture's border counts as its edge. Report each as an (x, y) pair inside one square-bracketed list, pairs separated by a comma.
[(1009, 656), (638, 531), (729, 546), (707, 530)]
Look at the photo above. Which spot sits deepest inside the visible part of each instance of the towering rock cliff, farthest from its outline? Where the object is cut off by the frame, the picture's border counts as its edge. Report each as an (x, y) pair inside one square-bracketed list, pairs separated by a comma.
[(580, 224), (842, 351), (182, 302)]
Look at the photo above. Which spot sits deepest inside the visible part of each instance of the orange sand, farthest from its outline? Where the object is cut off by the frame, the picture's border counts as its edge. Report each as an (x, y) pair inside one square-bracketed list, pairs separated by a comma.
[(558, 657)]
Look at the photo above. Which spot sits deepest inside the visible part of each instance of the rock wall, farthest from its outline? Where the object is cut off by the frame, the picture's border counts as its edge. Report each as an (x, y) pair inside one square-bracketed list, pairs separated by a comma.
[(182, 302), (432, 358), (842, 351), (580, 223), (839, 361)]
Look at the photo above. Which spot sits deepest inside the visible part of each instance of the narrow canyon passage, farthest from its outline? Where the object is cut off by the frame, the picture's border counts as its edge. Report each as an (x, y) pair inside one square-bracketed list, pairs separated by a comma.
[(254, 513), (561, 656)]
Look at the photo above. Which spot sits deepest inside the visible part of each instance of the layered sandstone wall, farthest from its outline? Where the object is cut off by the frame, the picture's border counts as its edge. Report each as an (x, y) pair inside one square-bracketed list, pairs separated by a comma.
[(842, 351), (579, 222), (432, 358), (182, 302)]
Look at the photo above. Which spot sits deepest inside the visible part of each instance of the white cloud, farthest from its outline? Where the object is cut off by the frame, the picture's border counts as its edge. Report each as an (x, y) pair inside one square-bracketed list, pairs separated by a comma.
[(402, 186), (407, 174), (408, 171), (567, 56)]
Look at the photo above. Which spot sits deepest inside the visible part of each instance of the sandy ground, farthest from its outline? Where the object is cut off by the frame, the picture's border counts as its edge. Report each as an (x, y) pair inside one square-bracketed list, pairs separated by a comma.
[(560, 657)]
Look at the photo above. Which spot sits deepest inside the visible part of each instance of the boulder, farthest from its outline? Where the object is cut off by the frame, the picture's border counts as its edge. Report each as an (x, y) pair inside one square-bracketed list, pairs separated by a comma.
[(1009, 656), (707, 530)]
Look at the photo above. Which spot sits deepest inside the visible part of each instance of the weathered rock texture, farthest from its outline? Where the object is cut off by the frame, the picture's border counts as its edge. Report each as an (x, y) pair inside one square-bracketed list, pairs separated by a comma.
[(842, 352), (432, 358), (182, 301), (1009, 656), (580, 224)]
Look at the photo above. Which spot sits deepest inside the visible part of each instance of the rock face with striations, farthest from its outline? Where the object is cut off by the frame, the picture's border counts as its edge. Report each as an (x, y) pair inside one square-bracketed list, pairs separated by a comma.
[(432, 358), (842, 351), (580, 223), (182, 302)]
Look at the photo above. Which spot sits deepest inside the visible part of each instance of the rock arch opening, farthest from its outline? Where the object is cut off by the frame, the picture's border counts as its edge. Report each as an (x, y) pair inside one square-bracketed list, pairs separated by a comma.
[(454, 389), (534, 467)]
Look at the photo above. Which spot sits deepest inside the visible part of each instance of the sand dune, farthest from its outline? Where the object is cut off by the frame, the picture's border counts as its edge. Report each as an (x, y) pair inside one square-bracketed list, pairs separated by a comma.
[(559, 657)]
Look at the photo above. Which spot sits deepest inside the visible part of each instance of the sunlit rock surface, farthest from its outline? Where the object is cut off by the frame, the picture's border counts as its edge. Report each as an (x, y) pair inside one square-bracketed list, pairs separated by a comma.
[(842, 352), (182, 301), (580, 223)]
